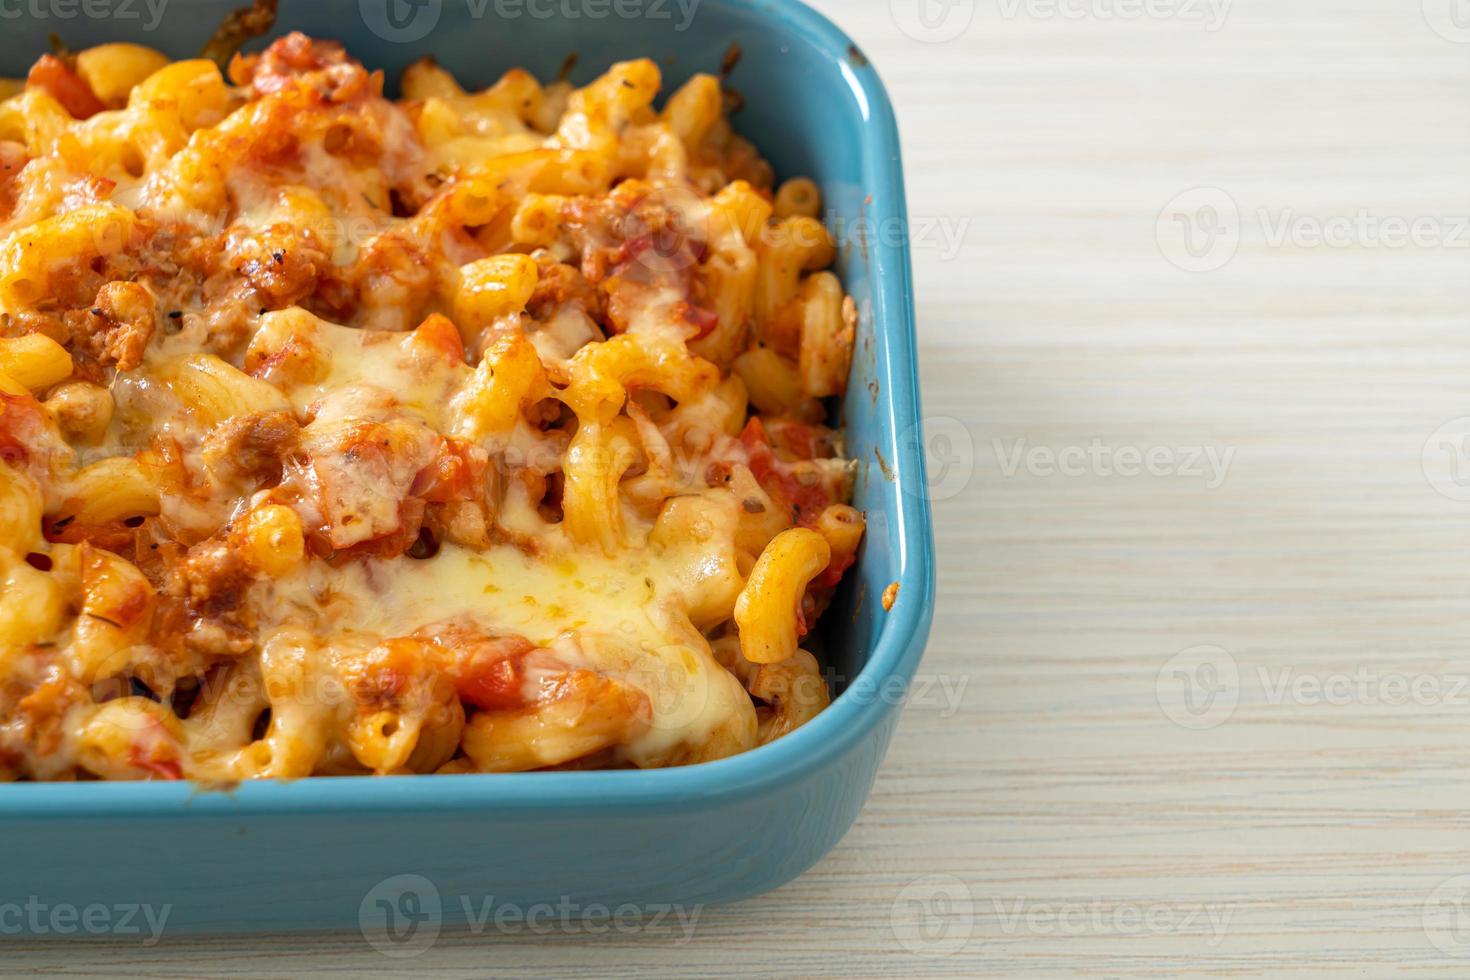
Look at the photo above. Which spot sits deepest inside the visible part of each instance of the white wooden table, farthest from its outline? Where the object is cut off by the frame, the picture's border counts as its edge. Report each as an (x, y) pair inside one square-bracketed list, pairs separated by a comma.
[(1200, 672)]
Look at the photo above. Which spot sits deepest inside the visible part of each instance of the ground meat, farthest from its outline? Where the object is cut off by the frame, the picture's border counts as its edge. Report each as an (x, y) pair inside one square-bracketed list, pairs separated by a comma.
[(282, 263), (39, 718), (113, 330), (218, 639), (559, 284), (252, 448), (361, 477), (394, 276), (294, 57), (212, 579), (129, 316)]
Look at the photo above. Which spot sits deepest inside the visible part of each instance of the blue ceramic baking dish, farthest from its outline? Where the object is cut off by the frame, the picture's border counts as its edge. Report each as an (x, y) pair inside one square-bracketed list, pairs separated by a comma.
[(315, 854)]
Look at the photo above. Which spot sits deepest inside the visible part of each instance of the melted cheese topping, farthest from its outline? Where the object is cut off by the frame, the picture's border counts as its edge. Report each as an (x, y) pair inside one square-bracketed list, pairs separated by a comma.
[(615, 616), (340, 435)]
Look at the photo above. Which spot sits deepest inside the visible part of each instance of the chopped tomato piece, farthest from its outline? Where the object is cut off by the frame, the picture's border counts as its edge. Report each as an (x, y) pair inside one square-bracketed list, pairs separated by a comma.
[(832, 574), (162, 767), (807, 496), (492, 675), (154, 752), (439, 333), (52, 75), (704, 320), (21, 419), (456, 473)]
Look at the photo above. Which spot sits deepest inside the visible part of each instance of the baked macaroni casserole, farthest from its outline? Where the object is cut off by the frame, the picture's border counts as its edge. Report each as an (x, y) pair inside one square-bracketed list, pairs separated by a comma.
[(465, 432)]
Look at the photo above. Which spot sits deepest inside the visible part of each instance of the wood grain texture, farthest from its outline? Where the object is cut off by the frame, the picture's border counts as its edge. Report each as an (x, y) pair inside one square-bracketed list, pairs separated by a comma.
[(1078, 830)]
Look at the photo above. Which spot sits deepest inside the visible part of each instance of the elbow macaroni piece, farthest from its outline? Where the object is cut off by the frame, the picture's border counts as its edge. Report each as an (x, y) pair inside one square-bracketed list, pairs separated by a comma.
[(492, 288), (275, 542), (215, 391), (798, 196), (768, 611), (82, 410), (35, 258), (34, 361), (111, 489), (479, 431), (20, 511), (112, 71)]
